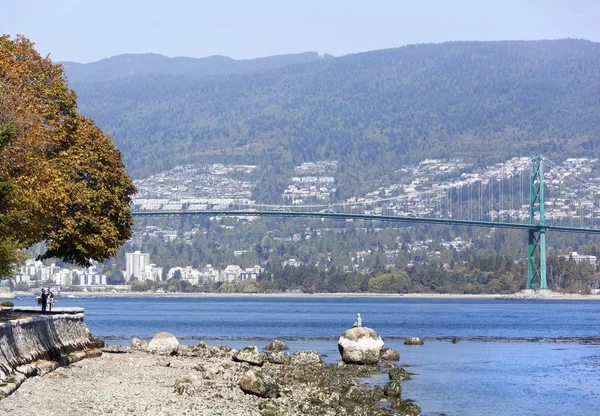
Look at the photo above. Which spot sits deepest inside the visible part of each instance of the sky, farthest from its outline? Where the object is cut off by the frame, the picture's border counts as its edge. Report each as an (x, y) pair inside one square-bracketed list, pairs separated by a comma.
[(89, 30)]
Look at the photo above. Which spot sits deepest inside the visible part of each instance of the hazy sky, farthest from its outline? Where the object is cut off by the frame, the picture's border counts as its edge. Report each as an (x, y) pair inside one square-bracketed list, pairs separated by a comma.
[(88, 30)]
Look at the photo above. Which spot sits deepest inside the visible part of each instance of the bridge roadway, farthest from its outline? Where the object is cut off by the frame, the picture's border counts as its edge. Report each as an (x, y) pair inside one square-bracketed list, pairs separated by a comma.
[(367, 217)]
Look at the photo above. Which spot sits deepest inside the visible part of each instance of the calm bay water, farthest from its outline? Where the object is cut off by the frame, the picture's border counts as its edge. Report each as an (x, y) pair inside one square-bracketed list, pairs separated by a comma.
[(514, 371)]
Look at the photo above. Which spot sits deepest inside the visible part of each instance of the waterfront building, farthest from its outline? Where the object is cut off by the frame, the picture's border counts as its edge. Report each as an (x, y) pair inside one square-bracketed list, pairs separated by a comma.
[(189, 274), (135, 263), (576, 257), (152, 272), (208, 274), (231, 273)]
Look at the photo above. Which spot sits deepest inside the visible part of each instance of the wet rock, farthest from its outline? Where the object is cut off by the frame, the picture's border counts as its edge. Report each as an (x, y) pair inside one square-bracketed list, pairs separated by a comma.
[(398, 373), (389, 354), (279, 357), (138, 344), (250, 355), (277, 345), (360, 345), (378, 393), (355, 399), (259, 384), (406, 407), (413, 341), (307, 357), (163, 343), (392, 388)]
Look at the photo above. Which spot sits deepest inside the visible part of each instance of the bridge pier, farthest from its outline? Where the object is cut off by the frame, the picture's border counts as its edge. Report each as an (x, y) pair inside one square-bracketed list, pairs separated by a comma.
[(536, 253)]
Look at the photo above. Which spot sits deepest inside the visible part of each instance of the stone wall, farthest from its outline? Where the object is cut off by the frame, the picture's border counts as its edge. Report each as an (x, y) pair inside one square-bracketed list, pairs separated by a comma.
[(39, 344)]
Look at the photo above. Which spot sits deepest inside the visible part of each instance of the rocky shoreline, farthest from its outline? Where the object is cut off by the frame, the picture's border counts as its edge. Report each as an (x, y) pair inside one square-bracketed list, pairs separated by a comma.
[(207, 380)]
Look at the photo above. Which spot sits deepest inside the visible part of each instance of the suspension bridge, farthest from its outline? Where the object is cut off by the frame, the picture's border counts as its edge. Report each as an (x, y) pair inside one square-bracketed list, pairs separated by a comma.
[(533, 194)]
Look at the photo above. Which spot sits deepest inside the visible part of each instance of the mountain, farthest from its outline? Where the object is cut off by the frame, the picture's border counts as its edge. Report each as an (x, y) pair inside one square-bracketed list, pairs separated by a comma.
[(372, 111), (129, 65)]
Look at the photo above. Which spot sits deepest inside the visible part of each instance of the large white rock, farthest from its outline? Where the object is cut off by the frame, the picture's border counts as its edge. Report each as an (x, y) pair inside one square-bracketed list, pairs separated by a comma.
[(360, 345), (163, 343)]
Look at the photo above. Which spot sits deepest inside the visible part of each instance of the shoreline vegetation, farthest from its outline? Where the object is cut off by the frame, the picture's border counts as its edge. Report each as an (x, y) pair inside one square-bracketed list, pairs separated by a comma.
[(514, 296)]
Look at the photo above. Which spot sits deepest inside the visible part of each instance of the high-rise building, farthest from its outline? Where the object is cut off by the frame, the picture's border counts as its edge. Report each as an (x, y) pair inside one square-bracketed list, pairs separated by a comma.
[(135, 264)]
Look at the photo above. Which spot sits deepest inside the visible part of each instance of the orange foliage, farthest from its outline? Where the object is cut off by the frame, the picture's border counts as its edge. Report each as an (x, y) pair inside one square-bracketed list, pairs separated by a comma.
[(70, 187)]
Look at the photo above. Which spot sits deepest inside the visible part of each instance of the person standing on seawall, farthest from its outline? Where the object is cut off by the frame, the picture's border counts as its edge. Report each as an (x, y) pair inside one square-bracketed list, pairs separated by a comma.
[(50, 300), (44, 297)]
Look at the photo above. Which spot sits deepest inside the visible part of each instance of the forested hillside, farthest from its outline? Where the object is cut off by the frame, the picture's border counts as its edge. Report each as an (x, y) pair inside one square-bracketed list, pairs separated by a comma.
[(131, 65), (373, 111)]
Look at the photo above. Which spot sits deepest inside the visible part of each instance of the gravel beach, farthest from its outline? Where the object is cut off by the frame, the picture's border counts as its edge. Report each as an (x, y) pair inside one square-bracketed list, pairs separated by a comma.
[(204, 380), (134, 383)]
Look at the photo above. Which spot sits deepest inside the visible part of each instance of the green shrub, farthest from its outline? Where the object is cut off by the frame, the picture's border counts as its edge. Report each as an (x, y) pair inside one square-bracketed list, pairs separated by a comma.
[(7, 304)]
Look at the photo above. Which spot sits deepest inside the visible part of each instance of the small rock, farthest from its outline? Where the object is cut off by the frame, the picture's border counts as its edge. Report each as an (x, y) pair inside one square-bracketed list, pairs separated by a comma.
[(187, 385), (277, 345), (250, 355), (163, 343), (389, 354), (259, 384), (413, 341), (306, 358), (138, 344), (398, 373), (392, 388), (116, 349), (406, 407)]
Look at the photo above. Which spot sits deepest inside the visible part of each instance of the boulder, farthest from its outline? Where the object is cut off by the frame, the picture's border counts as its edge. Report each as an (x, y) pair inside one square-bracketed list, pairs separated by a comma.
[(360, 345), (413, 341), (138, 344), (389, 354), (250, 355), (259, 384), (163, 343), (306, 358), (277, 345)]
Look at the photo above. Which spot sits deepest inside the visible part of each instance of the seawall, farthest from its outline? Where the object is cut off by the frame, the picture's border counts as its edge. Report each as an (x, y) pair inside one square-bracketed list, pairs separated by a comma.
[(39, 343)]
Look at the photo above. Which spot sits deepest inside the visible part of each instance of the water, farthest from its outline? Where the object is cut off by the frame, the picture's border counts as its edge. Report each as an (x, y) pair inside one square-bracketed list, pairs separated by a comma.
[(514, 371)]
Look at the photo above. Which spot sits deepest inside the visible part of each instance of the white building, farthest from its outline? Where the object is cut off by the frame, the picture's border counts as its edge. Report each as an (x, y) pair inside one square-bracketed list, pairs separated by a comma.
[(251, 273), (152, 272), (208, 274), (575, 256), (135, 263), (231, 273), (189, 274)]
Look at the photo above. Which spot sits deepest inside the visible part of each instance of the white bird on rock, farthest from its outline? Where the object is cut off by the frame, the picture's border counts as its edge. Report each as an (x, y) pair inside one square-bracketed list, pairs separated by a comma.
[(358, 322)]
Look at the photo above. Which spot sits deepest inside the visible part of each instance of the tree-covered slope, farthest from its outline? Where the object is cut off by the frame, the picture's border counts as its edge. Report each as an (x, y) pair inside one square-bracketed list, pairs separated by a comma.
[(128, 65), (371, 111)]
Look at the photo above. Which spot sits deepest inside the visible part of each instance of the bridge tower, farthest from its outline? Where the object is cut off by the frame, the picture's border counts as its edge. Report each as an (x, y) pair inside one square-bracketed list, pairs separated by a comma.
[(536, 259)]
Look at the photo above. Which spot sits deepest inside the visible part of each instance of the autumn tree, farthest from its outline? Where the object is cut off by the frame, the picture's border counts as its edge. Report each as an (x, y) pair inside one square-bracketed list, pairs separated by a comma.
[(62, 180)]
